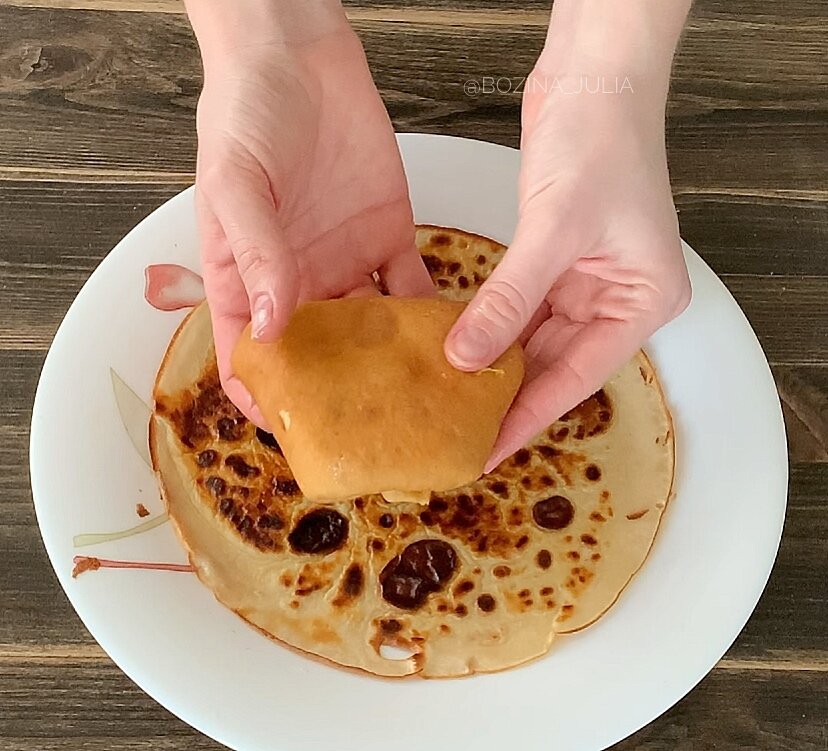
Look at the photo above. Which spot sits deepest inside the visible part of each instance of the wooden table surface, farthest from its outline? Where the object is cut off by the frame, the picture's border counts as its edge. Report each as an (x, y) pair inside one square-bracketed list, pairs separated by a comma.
[(96, 129)]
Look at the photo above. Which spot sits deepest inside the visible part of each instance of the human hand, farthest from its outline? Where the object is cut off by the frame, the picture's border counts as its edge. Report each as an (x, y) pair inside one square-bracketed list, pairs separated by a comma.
[(596, 264), (300, 190)]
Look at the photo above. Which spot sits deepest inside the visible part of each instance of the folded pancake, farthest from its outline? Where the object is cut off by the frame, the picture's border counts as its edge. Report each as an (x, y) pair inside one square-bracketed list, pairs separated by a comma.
[(362, 399)]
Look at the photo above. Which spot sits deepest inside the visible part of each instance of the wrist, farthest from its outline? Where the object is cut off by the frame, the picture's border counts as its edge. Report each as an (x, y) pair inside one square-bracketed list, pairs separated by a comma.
[(632, 40), (227, 30)]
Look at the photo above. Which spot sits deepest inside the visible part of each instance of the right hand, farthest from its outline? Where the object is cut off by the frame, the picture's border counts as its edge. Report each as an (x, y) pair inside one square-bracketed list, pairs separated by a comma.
[(300, 190)]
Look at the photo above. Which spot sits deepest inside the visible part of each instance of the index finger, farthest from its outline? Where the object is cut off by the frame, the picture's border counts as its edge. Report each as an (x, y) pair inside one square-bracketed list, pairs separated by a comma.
[(229, 307)]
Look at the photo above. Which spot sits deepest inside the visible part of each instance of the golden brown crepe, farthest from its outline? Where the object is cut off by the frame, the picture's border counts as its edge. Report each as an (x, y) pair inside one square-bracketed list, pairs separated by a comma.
[(481, 579), (362, 399)]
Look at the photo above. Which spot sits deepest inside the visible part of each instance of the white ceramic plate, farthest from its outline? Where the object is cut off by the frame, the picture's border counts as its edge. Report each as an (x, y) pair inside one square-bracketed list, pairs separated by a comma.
[(702, 580)]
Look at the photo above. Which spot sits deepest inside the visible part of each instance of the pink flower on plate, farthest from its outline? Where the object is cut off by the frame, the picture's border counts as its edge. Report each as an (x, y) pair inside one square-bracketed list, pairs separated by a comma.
[(172, 287)]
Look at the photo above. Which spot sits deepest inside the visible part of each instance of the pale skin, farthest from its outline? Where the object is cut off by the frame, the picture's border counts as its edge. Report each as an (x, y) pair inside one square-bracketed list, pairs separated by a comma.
[(301, 195)]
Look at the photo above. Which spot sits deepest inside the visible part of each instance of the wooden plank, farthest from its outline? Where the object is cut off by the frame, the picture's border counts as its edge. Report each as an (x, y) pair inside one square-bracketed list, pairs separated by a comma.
[(116, 91), (804, 393), (46, 226), (803, 12), (774, 305), (759, 234), (788, 314), (77, 706)]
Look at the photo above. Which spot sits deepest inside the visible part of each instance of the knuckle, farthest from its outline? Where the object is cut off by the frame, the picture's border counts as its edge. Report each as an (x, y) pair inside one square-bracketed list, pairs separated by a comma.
[(504, 305), (251, 258)]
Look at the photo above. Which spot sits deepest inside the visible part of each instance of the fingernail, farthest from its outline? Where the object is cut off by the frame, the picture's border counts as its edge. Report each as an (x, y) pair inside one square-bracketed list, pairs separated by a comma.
[(262, 316), (493, 462), (470, 347)]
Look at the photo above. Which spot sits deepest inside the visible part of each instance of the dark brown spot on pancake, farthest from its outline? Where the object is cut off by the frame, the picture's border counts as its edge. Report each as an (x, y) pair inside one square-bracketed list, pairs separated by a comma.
[(424, 567), (546, 591), (215, 485), (426, 518), (592, 472), (515, 516), (500, 488), (461, 610), (230, 428), (245, 524), (526, 482), (270, 521), (555, 512), (443, 283), (390, 626), (377, 544), (522, 457), (580, 433), (486, 603), (543, 559), (588, 539), (269, 440), (386, 521), (240, 467), (596, 556), (597, 516), (437, 505), (523, 540), (481, 260), (574, 555), (206, 458), (319, 532), (444, 628), (433, 263), (548, 452), (558, 434), (501, 571), (547, 481), (353, 582), (464, 587), (453, 267), (441, 239), (285, 487), (227, 506), (637, 514), (359, 503), (463, 282), (524, 593)]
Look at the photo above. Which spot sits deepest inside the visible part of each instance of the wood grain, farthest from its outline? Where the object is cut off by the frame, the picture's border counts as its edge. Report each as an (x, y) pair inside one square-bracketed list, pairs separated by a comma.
[(49, 226), (97, 101), (117, 91), (91, 706)]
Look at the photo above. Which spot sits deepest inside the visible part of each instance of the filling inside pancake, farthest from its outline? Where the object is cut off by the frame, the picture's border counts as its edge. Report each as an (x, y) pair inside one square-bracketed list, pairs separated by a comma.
[(480, 578)]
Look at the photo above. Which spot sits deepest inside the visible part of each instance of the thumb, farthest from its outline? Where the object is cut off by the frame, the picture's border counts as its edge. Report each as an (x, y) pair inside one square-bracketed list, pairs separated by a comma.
[(244, 206), (508, 299)]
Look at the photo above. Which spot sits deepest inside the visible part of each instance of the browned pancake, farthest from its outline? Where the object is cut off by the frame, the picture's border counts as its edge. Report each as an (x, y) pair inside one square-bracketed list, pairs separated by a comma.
[(481, 579)]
